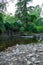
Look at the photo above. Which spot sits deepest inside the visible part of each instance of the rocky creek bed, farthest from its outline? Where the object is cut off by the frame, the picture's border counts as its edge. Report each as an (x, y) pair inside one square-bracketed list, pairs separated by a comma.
[(29, 54)]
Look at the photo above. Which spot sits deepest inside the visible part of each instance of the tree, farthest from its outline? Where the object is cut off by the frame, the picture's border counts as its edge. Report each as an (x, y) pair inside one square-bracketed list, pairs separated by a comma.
[(36, 11), (21, 11), (25, 17), (39, 25), (2, 28), (2, 6), (34, 15)]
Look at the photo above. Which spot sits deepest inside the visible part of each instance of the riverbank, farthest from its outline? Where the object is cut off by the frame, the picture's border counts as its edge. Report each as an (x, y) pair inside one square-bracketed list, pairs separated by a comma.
[(29, 54), (13, 41), (8, 41)]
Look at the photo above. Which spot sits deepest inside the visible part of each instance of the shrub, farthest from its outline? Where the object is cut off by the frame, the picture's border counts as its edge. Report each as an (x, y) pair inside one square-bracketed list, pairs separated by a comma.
[(21, 29)]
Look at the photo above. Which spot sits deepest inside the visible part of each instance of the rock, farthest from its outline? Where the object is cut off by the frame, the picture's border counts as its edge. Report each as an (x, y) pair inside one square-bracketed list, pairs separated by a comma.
[(34, 49), (25, 58), (31, 54), (29, 62), (40, 50), (17, 51), (34, 64), (17, 46), (18, 55), (33, 59), (37, 55), (37, 62)]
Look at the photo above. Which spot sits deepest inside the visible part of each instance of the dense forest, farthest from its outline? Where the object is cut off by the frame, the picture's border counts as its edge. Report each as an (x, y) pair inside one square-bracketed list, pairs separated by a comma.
[(25, 21)]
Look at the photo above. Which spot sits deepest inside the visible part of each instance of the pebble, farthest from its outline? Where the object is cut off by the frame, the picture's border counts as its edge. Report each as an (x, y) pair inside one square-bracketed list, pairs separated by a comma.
[(29, 62), (33, 59), (37, 62), (22, 55)]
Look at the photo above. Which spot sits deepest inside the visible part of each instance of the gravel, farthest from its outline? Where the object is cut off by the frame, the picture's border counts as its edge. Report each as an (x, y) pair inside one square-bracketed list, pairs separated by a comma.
[(29, 54)]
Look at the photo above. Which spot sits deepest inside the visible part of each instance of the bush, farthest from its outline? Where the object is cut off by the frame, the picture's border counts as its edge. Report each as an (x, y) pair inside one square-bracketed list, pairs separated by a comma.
[(39, 29), (21, 29), (31, 27)]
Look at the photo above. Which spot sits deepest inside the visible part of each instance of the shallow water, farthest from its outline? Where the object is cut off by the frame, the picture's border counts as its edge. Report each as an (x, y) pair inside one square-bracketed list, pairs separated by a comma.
[(5, 43)]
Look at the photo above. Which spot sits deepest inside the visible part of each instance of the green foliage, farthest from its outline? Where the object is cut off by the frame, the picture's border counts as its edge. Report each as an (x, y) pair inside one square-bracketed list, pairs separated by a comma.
[(23, 21), (39, 29), (2, 5), (1, 17), (36, 11), (16, 24), (21, 11), (39, 25), (22, 29), (31, 27), (2, 28), (9, 18), (9, 26), (39, 22)]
